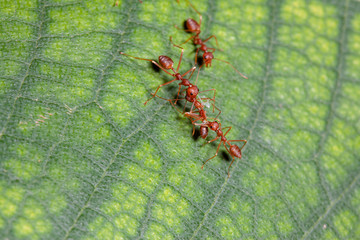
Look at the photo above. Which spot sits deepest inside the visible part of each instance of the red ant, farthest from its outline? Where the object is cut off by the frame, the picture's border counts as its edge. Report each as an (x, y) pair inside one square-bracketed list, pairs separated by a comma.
[(215, 125), (234, 151), (194, 27), (201, 116), (191, 96), (166, 63)]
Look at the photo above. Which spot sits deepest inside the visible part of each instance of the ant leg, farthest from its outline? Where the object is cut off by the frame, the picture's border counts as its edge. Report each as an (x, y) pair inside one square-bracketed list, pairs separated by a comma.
[(149, 60), (202, 66), (192, 115), (178, 93), (192, 69), (227, 130), (195, 120), (196, 111), (181, 55), (166, 99), (213, 89), (171, 102), (217, 150), (185, 106), (212, 140), (191, 37), (232, 67), (211, 99), (158, 90), (197, 76), (195, 117), (231, 161), (239, 141), (212, 36), (196, 12), (216, 109), (201, 124), (193, 130), (227, 133), (192, 106), (183, 91)]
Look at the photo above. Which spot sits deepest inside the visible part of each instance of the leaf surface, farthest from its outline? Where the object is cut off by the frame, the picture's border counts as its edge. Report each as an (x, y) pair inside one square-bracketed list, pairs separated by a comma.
[(83, 158)]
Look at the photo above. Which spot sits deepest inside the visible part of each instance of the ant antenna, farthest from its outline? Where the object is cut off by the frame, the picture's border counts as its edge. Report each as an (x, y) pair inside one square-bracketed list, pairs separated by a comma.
[(231, 66)]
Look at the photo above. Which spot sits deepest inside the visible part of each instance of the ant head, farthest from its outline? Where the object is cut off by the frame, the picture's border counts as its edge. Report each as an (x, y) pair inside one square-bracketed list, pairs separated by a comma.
[(235, 151), (214, 126), (208, 56), (192, 25), (198, 41), (166, 62), (192, 92)]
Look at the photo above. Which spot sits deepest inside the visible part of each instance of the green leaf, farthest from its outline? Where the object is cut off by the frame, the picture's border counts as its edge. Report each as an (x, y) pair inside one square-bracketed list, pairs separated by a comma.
[(83, 158)]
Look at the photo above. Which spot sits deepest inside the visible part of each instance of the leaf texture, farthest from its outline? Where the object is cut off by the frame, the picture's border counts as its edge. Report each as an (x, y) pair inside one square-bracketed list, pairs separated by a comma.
[(83, 158)]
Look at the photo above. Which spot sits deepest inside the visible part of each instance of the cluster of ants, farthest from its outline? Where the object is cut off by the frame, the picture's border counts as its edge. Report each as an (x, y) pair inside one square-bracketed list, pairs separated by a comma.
[(197, 113)]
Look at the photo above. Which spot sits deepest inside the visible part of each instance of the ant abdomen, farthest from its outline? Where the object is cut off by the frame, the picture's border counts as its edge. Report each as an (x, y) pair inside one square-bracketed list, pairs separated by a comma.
[(192, 25), (204, 131), (166, 62), (235, 151)]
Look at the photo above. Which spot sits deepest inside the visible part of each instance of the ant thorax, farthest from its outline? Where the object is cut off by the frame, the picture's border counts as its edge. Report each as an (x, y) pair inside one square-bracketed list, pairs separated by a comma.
[(178, 76), (198, 41), (186, 82)]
